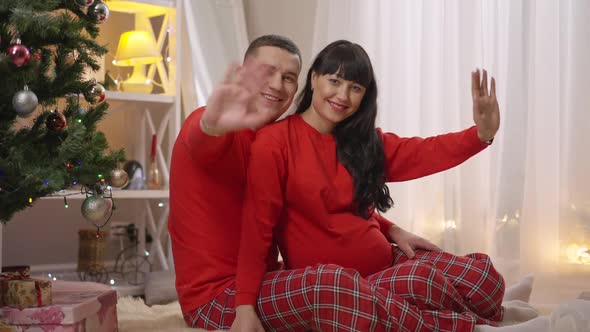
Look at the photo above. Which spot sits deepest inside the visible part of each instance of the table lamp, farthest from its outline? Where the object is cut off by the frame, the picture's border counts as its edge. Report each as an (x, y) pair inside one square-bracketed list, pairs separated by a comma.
[(137, 48)]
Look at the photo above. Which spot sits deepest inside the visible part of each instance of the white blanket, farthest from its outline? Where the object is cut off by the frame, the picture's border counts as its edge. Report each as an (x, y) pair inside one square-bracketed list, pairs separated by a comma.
[(135, 316)]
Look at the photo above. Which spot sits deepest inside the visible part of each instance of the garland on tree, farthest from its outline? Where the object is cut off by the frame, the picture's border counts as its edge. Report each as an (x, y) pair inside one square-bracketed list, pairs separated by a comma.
[(45, 48)]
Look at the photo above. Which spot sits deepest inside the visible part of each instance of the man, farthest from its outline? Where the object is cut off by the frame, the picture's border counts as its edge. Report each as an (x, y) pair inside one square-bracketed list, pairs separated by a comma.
[(208, 175)]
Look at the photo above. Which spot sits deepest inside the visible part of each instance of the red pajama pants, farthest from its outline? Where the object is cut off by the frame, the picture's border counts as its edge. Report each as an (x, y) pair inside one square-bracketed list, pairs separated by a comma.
[(433, 292)]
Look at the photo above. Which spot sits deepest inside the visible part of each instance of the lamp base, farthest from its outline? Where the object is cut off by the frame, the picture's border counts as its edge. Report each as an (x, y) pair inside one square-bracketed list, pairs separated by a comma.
[(137, 82), (137, 87)]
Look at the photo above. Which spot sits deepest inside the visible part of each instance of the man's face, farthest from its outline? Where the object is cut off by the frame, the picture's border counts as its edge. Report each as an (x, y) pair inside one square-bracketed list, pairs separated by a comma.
[(278, 92)]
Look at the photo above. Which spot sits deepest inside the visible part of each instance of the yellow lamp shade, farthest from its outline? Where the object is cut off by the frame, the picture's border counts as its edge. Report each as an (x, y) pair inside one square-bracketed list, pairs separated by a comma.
[(136, 48)]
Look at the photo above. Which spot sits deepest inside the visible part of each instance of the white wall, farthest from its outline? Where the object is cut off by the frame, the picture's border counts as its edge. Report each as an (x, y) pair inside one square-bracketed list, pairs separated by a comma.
[(294, 19)]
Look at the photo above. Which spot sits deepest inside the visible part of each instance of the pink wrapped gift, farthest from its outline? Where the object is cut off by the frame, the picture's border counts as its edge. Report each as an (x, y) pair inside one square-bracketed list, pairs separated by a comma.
[(70, 312)]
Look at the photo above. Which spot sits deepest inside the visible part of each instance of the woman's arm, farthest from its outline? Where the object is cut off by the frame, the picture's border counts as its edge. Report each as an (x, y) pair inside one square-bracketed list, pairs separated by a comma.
[(411, 158), (262, 208), (416, 157)]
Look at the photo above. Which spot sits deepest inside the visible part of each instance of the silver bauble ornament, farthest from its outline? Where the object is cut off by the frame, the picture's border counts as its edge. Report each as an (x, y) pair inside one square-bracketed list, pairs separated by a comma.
[(96, 94), (81, 111), (97, 209), (24, 102), (118, 178), (99, 12)]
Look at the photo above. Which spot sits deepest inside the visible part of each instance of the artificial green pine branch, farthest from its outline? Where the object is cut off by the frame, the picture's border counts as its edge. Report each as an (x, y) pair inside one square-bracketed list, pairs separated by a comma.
[(34, 160)]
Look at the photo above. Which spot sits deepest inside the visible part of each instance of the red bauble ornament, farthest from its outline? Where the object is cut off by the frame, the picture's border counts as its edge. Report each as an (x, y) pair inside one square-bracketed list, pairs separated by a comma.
[(84, 3), (56, 122), (19, 54)]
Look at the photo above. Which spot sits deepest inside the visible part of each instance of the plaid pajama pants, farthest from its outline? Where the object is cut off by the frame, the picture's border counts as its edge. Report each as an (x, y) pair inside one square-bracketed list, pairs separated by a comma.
[(434, 292)]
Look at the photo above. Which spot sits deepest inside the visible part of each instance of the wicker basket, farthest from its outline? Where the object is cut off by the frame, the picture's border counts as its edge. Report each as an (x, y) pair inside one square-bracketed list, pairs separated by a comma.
[(91, 250)]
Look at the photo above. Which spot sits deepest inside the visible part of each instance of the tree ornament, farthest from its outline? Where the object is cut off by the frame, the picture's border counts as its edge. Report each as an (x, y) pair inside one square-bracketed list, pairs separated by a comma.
[(19, 54), (99, 12), (83, 3), (135, 172), (81, 111), (24, 102), (118, 178), (56, 122), (71, 57), (96, 94), (96, 208)]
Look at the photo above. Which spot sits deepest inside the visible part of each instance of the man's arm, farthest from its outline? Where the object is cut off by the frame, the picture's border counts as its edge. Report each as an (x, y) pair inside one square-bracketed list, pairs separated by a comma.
[(229, 110), (203, 146)]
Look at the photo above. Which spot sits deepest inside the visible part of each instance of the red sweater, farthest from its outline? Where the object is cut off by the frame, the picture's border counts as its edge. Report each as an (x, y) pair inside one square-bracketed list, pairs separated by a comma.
[(206, 194), (207, 180), (299, 191)]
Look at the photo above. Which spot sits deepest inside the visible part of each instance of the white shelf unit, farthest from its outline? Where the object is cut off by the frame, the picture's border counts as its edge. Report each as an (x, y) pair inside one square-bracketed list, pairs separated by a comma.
[(146, 114), (136, 116), (116, 96)]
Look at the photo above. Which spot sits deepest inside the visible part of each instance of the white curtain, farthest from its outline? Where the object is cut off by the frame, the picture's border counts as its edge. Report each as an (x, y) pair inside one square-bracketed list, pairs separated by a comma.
[(214, 35), (526, 199)]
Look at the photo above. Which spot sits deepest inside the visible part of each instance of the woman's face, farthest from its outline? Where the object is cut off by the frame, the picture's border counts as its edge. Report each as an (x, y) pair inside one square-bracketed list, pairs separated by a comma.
[(334, 98)]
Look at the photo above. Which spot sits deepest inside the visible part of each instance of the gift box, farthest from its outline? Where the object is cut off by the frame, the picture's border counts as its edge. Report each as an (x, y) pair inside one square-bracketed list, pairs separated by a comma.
[(6, 328), (26, 293), (17, 289), (70, 312)]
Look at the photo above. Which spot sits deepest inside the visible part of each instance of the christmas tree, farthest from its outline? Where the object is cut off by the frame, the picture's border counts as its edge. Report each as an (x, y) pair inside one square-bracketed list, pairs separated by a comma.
[(48, 110)]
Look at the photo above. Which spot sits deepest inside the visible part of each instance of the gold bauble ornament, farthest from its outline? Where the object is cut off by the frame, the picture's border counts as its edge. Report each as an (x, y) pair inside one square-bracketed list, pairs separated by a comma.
[(118, 178)]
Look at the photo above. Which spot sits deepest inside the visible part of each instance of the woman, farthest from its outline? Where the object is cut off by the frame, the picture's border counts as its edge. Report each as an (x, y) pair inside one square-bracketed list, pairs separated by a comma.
[(316, 178)]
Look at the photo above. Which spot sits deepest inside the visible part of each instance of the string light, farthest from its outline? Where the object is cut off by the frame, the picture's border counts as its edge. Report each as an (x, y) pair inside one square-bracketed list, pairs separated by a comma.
[(584, 255), (66, 205), (161, 204), (30, 199), (449, 224), (46, 182)]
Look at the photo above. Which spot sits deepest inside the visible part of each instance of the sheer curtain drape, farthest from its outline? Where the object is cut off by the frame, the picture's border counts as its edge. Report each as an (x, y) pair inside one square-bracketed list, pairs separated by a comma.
[(527, 198), (214, 36)]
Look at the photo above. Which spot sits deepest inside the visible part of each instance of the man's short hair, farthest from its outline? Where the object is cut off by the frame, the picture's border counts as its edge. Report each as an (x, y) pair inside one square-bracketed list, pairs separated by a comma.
[(281, 42)]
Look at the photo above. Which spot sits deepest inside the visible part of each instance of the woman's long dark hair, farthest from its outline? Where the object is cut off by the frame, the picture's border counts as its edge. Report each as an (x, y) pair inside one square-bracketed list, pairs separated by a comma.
[(358, 146)]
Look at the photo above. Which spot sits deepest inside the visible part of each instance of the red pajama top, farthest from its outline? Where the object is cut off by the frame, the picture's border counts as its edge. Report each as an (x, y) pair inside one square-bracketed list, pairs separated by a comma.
[(207, 180), (298, 191)]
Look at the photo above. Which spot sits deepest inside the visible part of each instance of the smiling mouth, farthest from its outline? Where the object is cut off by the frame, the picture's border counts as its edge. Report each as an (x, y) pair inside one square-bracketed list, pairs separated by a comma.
[(337, 106), (271, 97)]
